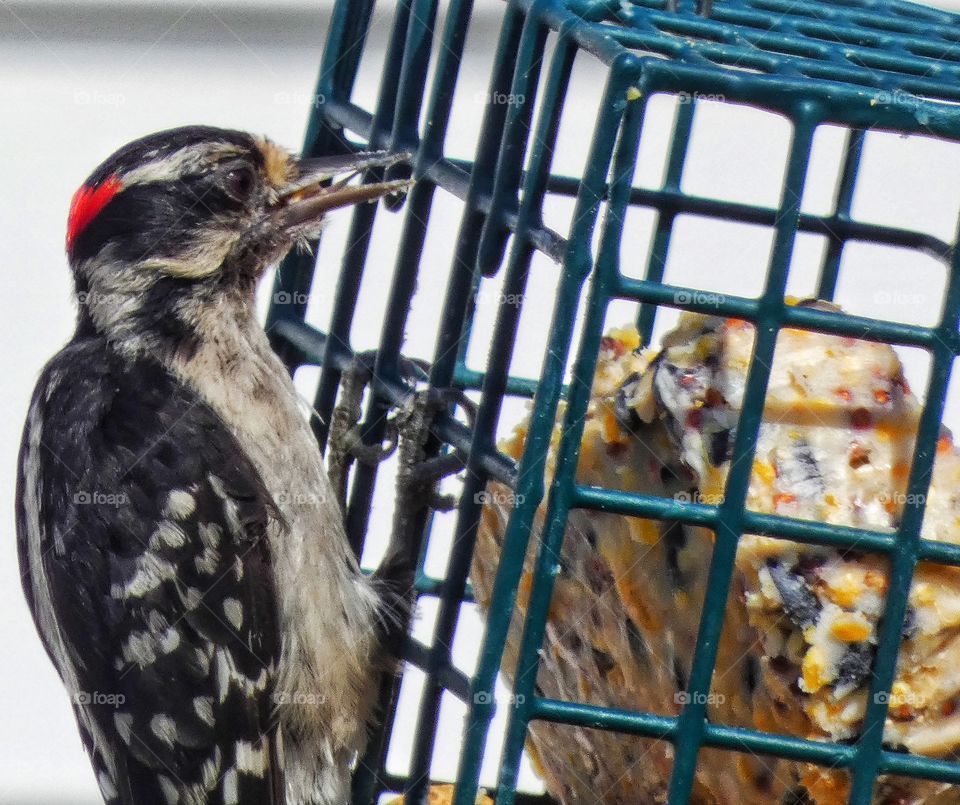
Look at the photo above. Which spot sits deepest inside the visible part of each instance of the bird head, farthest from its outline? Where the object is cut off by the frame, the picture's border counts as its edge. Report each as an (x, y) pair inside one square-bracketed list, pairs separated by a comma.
[(184, 217)]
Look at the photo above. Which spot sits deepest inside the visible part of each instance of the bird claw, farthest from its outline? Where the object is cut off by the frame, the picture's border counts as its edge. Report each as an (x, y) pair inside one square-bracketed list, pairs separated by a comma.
[(416, 493), (421, 473), (441, 399), (411, 370), (413, 420), (408, 435), (437, 468), (373, 454)]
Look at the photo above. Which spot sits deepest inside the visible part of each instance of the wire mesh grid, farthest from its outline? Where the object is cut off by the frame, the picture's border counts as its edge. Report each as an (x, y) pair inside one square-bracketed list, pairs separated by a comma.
[(859, 64)]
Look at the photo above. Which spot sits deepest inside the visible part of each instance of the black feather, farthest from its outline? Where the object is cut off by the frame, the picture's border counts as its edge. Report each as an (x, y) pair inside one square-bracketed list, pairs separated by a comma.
[(118, 439)]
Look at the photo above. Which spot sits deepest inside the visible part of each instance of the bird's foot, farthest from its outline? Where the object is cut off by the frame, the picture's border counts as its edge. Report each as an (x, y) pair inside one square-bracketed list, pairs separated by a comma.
[(346, 443), (422, 474)]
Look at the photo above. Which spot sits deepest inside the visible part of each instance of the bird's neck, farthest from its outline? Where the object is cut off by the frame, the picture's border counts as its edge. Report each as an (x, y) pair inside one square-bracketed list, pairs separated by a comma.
[(165, 318)]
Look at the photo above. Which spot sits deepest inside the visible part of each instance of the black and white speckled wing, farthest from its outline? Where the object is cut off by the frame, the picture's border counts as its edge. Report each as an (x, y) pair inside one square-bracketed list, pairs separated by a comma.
[(143, 544)]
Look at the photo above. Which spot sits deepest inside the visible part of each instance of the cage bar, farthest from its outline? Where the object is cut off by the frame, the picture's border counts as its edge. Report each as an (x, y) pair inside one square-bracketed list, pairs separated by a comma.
[(863, 65)]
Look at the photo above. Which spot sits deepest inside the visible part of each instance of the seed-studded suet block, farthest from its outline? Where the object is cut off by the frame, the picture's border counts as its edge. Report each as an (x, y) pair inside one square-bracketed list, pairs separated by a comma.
[(835, 446)]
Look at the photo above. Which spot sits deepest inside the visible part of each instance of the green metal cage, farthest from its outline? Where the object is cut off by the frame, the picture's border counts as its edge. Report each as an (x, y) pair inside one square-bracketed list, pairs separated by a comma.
[(858, 64)]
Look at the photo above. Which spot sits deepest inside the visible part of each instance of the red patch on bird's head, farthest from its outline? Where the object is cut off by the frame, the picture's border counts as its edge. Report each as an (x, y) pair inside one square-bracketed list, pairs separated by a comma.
[(86, 205)]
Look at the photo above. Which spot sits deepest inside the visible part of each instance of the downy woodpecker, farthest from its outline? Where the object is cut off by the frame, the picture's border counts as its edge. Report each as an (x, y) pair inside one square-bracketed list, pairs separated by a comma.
[(182, 553)]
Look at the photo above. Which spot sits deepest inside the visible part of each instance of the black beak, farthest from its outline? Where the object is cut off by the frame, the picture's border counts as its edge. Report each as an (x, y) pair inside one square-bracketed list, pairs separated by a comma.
[(314, 192)]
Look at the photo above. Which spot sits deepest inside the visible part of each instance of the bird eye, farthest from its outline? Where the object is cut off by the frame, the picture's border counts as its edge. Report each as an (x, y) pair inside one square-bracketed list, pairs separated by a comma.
[(240, 182)]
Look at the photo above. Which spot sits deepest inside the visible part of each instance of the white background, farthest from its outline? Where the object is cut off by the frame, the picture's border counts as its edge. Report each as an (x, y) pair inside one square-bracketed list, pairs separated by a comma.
[(79, 79)]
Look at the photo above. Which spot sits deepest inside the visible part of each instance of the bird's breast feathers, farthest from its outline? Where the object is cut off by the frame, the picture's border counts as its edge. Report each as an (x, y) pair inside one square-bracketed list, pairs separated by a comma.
[(327, 608)]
